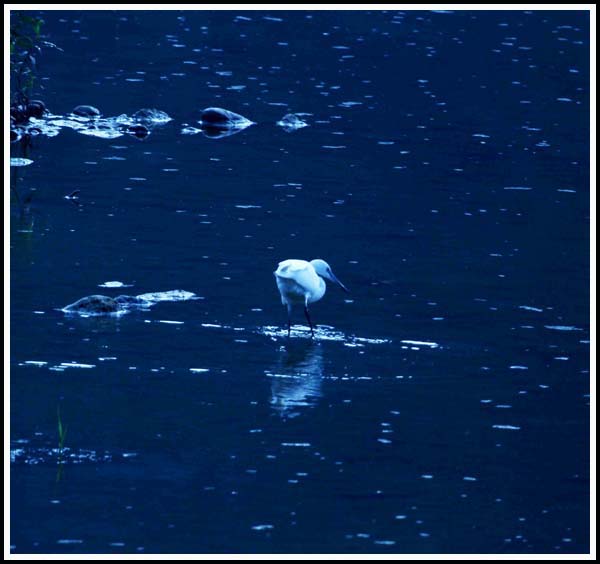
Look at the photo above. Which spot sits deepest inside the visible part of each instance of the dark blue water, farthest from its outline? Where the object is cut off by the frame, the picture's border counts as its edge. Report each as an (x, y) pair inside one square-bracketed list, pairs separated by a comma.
[(443, 406)]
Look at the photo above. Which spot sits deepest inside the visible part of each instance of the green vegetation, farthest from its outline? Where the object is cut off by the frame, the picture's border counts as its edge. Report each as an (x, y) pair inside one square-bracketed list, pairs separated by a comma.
[(62, 432), (26, 44), (62, 435)]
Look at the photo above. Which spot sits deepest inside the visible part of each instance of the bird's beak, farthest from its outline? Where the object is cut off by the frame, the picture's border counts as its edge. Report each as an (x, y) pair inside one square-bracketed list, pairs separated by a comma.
[(334, 278)]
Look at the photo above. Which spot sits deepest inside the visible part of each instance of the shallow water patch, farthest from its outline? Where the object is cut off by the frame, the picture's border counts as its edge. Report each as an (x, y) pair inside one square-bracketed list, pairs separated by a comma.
[(321, 333)]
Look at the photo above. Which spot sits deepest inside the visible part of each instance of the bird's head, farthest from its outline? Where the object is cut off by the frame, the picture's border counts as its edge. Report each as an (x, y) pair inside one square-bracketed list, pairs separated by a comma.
[(324, 271)]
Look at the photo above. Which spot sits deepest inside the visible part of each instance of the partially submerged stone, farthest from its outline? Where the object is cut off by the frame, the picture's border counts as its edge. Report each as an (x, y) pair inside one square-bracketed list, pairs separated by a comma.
[(291, 122), (86, 111), (94, 305), (138, 130), (152, 116), (132, 301), (18, 114), (36, 109), (103, 305), (219, 118), (167, 296), (99, 304)]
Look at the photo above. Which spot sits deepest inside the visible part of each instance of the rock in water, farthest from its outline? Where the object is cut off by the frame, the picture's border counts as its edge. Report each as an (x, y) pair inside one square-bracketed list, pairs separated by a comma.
[(149, 115), (131, 301), (102, 305), (291, 122), (36, 109), (138, 130), (168, 296), (86, 111), (218, 118), (18, 114), (94, 305)]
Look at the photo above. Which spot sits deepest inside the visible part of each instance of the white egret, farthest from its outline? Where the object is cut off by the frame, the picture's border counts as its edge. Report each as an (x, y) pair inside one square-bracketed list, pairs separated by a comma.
[(300, 281)]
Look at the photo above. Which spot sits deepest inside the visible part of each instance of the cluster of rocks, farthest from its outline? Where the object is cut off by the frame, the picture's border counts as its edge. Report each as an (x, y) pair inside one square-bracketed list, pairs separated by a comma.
[(98, 304), (20, 113), (218, 122), (35, 119)]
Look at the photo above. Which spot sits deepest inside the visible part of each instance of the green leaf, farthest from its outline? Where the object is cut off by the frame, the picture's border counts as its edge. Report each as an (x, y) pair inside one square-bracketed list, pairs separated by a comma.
[(23, 42)]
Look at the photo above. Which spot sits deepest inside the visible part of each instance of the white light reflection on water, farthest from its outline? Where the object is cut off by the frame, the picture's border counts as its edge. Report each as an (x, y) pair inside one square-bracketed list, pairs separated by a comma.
[(322, 333), (296, 378)]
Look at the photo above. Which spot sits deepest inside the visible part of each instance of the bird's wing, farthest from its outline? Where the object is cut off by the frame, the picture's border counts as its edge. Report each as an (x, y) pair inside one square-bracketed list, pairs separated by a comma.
[(300, 271)]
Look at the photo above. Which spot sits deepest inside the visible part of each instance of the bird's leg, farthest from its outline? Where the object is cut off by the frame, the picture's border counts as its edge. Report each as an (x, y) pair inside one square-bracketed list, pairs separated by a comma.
[(312, 333), (289, 317)]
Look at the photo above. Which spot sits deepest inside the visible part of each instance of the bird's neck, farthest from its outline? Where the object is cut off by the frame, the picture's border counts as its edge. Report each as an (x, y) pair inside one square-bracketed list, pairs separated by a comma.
[(321, 291)]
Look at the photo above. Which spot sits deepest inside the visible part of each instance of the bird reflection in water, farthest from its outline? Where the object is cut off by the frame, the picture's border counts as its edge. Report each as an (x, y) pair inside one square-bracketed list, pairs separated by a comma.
[(296, 378)]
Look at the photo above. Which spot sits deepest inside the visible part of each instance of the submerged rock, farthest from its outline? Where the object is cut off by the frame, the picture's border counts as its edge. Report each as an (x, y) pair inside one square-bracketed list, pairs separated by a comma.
[(218, 118), (128, 301), (150, 115), (291, 122), (101, 131), (219, 132), (189, 130), (210, 131), (168, 296), (86, 111)]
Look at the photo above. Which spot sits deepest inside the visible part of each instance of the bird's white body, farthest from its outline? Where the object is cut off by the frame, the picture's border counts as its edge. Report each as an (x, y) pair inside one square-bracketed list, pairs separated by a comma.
[(302, 282), (298, 282)]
